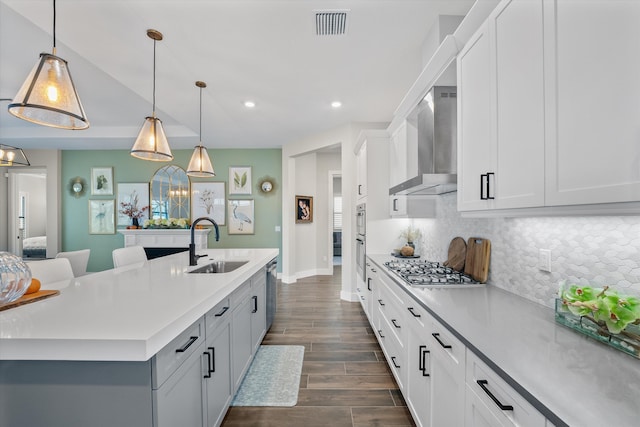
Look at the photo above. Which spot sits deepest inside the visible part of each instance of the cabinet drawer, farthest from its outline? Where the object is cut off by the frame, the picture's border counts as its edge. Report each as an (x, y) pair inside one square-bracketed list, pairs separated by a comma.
[(217, 315), (167, 360), (498, 397), (446, 343)]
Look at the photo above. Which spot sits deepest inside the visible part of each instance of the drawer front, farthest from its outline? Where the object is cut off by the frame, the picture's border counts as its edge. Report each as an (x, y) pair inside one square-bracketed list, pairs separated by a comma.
[(499, 397), (444, 342), (394, 314), (217, 315), (167, 360), (416, 315)]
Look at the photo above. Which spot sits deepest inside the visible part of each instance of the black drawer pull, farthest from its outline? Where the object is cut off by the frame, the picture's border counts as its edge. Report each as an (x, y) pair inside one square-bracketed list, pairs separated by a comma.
[(208, 374), (413, 312), (223, 311), (362, 297), (483, 386), (437, 337), (369, 283), (395, 324), (380, 333), (422, 362), (380, 302), (187, 345), (255, 304), (393, 360)]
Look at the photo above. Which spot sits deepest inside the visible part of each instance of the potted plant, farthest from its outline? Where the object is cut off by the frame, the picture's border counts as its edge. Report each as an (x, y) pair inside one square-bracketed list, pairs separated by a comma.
[(411, 234), (132, 210)]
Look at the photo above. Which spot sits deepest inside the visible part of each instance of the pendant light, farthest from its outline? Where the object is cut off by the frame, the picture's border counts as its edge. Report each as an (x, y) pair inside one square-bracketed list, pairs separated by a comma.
[(152, 143), (12, 156), (200, 164), (48, 96)]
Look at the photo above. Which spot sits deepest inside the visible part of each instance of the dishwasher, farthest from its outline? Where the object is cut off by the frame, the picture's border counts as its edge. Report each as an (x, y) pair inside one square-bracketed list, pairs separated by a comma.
[(272, 291)]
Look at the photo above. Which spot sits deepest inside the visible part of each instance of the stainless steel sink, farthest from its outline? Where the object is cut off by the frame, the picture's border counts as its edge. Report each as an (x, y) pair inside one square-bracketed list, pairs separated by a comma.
[(219, 267)]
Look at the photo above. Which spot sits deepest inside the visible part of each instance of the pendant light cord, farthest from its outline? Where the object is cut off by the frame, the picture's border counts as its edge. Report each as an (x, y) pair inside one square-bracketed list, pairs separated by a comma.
[(154, 77), (200, 116), (54, 27)]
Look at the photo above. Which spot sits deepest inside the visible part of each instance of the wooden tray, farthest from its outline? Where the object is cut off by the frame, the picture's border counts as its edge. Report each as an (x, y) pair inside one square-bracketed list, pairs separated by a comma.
[(27, 299), (478, 256)]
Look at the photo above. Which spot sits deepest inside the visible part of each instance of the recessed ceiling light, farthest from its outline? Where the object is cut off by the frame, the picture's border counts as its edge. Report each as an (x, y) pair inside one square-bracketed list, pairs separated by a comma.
[(336, 104), (249, 104)]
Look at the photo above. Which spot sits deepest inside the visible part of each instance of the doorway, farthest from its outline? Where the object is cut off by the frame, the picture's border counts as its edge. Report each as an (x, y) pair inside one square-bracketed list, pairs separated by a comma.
[(27, 213), (336, 216)]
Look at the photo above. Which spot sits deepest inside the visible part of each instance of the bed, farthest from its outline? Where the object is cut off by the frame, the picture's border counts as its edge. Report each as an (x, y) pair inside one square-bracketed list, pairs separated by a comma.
[(34, 247)]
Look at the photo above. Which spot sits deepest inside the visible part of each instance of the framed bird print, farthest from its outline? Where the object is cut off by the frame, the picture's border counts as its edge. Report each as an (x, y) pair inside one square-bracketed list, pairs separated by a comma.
[(102, 216), (240, 216)]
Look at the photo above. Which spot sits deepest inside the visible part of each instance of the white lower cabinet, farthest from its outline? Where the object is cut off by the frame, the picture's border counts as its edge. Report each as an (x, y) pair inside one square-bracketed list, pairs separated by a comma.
[(259, 308), (490, 401), (447, 377), (241, 346), (443, 382)]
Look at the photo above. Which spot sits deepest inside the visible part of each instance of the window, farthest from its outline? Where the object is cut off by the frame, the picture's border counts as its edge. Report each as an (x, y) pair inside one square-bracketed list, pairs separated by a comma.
[(337, 213)]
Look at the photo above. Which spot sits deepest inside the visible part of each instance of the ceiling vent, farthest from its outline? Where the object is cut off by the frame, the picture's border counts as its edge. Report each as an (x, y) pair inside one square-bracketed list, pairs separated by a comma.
[(331, 22)]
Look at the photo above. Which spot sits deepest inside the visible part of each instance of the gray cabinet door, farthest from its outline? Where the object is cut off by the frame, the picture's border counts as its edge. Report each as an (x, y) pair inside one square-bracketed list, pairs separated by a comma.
[(241, 343), (258, 308), (218, 385), (179, 401)]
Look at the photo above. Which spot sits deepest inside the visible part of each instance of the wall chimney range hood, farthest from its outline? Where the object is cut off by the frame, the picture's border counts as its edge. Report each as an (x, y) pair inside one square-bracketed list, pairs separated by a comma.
[(431, 145)]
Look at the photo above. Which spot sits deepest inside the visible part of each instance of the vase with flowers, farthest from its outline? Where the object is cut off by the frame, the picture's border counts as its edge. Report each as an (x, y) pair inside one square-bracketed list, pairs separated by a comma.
[(132, 210)]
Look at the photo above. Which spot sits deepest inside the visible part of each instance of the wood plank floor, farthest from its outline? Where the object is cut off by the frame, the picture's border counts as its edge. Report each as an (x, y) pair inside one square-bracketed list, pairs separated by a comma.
[(345, 380)]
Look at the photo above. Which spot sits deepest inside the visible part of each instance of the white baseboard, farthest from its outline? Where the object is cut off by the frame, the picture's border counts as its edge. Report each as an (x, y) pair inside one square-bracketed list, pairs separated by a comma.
[(349, 296)]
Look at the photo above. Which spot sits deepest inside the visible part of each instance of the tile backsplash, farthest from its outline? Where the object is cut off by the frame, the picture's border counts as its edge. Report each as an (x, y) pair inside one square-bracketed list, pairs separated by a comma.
[(595, 250)]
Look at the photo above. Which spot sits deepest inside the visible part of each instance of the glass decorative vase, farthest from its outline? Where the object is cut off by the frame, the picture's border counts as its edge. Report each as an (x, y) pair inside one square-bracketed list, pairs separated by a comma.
[(15, 277)]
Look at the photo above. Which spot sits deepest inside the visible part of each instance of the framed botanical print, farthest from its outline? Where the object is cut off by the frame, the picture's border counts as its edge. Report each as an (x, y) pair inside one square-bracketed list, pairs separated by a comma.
[(241, 217), (133, 202), (208, 199), (102, 217), (102, 181), (304, 209), (239, 180)]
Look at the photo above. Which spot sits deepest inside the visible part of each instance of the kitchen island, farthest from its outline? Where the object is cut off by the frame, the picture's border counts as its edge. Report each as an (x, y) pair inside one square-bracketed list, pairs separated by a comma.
[(565, 376), (114, 346)]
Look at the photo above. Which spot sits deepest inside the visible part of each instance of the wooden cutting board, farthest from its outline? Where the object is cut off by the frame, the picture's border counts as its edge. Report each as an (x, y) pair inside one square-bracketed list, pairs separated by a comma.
[(457, 255), (27, 299), (478, 257)]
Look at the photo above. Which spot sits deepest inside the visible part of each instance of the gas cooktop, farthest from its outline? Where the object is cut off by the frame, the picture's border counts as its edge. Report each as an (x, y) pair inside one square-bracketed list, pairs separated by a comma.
[(429, 274)]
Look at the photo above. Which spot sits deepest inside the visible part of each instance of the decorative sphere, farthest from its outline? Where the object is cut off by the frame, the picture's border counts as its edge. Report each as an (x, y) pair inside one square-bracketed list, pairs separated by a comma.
[(15, 277)]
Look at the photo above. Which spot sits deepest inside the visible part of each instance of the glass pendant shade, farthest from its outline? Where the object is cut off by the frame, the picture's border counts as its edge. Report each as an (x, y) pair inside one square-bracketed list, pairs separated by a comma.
[(152, 143), (200, 164), (12, 156), (48, 96)]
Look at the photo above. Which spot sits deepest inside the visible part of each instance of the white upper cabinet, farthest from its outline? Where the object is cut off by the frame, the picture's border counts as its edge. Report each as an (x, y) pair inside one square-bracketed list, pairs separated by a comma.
[(548, 107), (501, 111), (593, 139), (398, 156), (361, 171), (372, 163)]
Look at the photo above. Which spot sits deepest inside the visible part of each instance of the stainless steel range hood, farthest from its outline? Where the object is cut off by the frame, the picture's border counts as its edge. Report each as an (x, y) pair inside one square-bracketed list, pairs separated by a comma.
[(434, 147)]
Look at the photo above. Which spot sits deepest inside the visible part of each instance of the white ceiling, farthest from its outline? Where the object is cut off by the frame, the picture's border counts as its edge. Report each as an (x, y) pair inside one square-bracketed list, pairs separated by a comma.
[(261, 50)]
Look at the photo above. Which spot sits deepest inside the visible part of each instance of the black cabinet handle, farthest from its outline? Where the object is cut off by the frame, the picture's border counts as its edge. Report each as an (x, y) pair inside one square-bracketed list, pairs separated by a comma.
[(187, 345), (489, 196), (255, 304), (362, 297), (437, 337), (483, 386), (380, 302), (213, 359), (395, 205), (422, 363), (359, 189), (413, 312), (393, 360), (482, 186), (395, 324), (380, 333), (369, 283), (223, 311), (208, 374), (374, 270)]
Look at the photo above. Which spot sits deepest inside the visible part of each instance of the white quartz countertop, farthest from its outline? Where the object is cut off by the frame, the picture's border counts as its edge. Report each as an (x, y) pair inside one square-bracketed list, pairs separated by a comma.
[(125, 314), (581, 381)]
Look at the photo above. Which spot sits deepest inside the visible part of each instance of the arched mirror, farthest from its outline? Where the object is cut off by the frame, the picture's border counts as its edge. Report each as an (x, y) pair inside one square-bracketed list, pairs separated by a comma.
[(170, 191)]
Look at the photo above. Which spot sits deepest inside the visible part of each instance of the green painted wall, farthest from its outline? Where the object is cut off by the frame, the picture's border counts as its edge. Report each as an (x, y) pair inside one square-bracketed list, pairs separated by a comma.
[(75, 212)]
